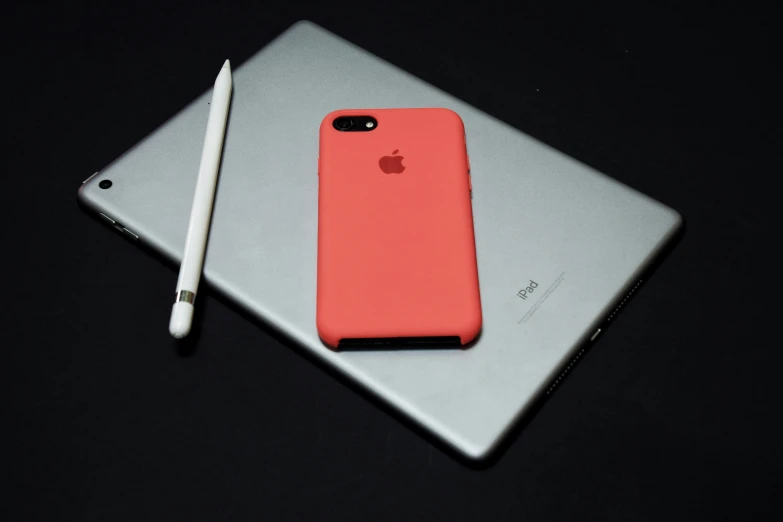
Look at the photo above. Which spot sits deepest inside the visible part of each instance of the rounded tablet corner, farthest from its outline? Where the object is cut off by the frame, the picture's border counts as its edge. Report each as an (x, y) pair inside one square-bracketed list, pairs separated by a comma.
[(678, 219), (677, 223), (481, 453), (82, 196), (303, 24)]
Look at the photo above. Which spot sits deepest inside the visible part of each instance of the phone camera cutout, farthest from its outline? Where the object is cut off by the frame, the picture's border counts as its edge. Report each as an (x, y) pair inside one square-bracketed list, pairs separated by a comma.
[(355, 123), (105, 183), (343, 124)]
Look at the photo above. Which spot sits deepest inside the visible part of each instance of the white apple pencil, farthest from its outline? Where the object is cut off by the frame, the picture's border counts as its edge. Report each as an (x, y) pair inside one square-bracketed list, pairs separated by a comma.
[(201, 212)]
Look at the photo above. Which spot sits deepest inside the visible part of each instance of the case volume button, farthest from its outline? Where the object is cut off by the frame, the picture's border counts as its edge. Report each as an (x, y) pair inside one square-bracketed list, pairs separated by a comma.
[(130, 234), (470, 180)]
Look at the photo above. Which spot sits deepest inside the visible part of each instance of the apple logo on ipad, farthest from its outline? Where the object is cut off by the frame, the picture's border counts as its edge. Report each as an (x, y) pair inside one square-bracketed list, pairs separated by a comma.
[(392, 164)]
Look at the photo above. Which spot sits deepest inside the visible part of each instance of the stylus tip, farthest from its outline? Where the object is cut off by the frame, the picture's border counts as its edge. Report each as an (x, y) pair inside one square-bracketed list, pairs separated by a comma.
[(226, 65), (181, 318)]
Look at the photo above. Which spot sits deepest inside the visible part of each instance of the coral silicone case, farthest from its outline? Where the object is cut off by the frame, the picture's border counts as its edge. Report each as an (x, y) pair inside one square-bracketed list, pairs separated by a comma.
[(396, 252)]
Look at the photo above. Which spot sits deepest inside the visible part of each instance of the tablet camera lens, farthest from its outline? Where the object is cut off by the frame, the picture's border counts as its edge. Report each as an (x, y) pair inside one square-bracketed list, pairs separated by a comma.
[(343, 124), (105, 183)]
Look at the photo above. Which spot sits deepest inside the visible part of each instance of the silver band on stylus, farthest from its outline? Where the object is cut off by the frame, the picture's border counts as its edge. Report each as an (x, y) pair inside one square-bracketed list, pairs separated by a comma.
[(184, 295)]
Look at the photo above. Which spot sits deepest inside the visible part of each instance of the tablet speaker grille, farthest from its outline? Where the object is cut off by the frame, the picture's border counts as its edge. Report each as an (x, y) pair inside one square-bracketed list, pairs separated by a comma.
[(566, 371), (575, 359), (625, 300)]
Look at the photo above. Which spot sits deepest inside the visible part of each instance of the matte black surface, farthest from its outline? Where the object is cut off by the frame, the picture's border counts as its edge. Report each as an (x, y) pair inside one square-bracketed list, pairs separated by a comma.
[(106, 418)]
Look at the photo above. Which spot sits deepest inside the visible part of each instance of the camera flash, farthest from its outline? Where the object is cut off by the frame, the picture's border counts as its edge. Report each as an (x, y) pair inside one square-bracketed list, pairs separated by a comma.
[(369, 124)]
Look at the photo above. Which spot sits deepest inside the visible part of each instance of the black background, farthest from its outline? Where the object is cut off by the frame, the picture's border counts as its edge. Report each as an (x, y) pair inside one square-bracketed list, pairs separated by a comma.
[(670, 416)]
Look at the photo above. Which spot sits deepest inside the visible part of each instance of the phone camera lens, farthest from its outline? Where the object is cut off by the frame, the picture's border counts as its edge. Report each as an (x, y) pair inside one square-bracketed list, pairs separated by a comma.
[(343, 124)]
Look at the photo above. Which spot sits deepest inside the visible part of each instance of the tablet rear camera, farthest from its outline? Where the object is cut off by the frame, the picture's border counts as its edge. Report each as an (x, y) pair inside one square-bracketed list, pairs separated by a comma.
[(105, 183), (343, 123)]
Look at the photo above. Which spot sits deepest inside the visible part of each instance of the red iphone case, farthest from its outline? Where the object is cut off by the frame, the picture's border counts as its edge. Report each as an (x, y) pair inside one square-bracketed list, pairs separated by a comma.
[(396, 251)]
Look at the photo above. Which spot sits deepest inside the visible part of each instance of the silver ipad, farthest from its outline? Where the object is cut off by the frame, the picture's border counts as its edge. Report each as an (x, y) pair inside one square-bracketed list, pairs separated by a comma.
[(559, 245)]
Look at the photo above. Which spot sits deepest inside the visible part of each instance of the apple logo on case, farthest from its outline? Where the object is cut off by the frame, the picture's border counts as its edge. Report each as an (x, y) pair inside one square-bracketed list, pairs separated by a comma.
[(392, 164)]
